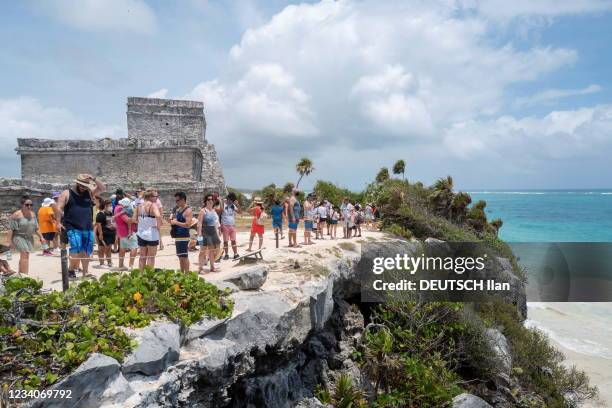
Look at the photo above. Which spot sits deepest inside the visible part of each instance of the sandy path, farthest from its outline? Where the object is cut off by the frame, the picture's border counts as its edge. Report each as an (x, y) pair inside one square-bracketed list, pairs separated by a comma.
[(311, 259)]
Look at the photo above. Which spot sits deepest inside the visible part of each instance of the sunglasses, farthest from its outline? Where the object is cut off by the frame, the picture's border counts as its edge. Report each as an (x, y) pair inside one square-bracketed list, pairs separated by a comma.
[(28, 205)]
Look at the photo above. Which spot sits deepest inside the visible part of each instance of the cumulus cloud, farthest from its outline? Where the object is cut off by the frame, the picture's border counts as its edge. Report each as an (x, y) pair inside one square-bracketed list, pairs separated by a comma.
[(102, 15), (550, 95), (26, 117), (503, 9), (349, 76), (160, 93), (565, 134)]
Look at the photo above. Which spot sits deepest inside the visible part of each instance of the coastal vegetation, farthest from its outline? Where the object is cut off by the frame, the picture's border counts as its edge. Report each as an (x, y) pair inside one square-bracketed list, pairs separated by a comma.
[(44, 335), (424, 354)]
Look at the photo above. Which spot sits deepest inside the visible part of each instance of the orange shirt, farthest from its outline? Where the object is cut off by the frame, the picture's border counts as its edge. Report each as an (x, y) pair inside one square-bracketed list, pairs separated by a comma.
[(46, 222)]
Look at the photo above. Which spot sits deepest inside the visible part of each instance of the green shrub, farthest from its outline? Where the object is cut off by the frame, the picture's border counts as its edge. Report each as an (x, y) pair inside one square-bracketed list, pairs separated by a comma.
[(413, 351), (344, 394), (45, 335), (538, 365)]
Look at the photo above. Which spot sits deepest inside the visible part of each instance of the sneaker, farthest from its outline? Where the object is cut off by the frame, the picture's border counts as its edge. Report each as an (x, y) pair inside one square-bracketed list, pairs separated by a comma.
[(226, 257), (72, 275), (236, 256), (47, 253)]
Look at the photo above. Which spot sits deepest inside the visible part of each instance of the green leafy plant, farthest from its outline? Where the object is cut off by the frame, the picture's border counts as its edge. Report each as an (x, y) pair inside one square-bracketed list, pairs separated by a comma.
[(46, 335)]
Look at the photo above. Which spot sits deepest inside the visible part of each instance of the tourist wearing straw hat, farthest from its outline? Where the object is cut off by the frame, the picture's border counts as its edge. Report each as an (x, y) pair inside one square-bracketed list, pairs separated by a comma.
[(76, 204)]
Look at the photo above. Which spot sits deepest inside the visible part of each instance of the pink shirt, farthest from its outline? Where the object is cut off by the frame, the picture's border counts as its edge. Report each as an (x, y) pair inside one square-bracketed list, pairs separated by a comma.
[(122, 222)]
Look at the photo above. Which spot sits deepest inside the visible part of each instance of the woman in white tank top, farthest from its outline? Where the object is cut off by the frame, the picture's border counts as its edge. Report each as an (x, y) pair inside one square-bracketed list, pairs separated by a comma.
[(149, 222)]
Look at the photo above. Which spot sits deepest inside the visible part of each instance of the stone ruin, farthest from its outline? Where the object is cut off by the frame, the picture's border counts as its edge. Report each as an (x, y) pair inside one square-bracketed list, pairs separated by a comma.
[(166, 148)]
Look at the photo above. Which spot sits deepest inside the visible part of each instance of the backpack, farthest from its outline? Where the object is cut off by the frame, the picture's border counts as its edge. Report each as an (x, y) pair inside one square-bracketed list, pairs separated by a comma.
[(261, 220)]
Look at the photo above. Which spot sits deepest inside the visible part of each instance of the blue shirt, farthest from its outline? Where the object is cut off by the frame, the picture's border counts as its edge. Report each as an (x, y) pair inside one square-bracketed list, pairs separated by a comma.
[(277, 212)]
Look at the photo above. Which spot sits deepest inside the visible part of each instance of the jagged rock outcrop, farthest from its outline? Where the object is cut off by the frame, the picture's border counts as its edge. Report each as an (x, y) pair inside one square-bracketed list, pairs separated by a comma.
[(158, 347), (279, 344), (95, 382), (249, 279)]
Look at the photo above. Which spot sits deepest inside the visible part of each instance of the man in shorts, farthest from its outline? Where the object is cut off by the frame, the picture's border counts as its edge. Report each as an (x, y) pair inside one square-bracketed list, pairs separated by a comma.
[(346, 209), (180, 223), (228, 224), (76, 205)]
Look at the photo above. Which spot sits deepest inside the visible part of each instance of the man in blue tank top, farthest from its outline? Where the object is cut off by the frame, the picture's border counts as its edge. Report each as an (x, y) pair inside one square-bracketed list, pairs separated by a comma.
[(75, 209)]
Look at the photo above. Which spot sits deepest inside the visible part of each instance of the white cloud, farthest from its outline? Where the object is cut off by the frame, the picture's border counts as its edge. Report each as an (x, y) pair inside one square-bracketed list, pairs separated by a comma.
[(580, 133), (102, 15), (550, 95), (346, 76), (504, 9), (26, 117), (160, 93)]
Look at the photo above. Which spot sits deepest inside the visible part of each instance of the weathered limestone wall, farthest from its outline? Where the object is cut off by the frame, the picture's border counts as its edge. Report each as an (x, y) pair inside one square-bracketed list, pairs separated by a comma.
[(115, 166), (151, 118)]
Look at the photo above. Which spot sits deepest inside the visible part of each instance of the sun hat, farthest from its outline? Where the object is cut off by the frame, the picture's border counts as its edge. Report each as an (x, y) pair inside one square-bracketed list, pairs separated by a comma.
[(55, 194), (257, 200), (86, 181), (125, 202), (47, 202)]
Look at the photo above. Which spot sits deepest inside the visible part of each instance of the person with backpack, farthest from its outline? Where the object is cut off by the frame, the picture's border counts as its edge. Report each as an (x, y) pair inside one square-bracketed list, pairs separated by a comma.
[(180, 222), (259, 219)]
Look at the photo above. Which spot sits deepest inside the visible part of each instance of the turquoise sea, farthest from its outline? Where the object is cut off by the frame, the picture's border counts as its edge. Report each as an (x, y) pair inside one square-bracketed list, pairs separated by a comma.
[(582, 331), (550, 215)]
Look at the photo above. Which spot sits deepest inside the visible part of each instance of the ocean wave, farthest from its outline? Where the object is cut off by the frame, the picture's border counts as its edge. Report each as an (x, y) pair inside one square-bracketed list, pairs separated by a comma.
[(581, 346), (543, 192)]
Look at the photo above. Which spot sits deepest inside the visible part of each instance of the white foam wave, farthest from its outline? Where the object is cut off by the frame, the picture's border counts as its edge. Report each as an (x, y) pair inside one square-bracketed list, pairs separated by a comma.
[(582, 346), (543, 192)]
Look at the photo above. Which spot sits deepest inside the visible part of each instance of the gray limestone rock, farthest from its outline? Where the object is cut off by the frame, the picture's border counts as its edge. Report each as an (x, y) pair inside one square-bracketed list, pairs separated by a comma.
[(469, 401), (249, 279), (158, 347)]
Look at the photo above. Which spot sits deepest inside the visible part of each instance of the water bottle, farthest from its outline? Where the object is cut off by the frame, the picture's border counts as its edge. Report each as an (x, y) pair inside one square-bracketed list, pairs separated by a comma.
[(200, 240), (9, 256)]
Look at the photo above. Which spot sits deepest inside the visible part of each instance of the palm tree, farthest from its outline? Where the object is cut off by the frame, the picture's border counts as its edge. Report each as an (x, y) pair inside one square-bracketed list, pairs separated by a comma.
[(383, 175), (459, 205), (497, 224), (399, 168), (288, 187), (442, 196), (304, 167)]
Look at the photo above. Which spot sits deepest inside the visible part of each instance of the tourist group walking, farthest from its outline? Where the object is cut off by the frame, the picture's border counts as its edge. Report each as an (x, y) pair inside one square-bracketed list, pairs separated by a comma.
[(130, 226)]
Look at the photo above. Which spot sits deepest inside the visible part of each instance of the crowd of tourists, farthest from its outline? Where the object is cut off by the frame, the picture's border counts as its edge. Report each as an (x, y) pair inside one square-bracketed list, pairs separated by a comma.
[(130, 225)]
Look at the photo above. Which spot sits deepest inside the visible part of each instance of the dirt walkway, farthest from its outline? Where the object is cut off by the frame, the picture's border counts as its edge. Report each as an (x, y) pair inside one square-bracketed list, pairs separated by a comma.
[(311, 259)]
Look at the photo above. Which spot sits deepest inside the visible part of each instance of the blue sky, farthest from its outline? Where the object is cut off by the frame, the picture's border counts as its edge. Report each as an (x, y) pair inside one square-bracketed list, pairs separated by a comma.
[(498, 94)]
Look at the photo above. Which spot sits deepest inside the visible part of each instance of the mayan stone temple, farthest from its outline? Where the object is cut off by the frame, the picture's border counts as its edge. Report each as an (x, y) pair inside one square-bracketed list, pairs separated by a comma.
[(166, 148)]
